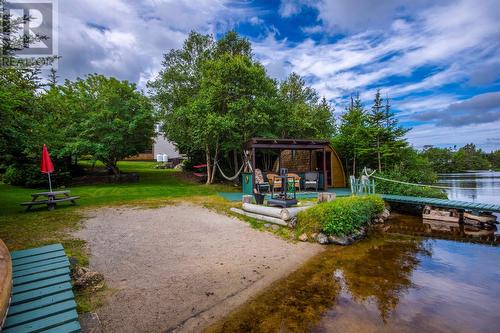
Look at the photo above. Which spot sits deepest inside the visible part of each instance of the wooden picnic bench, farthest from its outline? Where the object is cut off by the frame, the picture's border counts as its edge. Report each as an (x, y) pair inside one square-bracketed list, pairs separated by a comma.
[(52, 199), (40, 291)]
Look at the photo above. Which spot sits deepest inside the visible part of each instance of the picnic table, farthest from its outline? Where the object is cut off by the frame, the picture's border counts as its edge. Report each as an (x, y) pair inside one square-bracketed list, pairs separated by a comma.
[(52, 199)]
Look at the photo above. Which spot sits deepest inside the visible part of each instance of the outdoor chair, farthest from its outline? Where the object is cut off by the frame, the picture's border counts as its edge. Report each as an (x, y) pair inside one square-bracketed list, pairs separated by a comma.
[(273, 181), (260, 184), (296, 180), (311, 180)]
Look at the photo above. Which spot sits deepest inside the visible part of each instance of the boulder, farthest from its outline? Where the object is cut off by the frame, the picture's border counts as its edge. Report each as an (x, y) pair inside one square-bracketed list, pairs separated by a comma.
[(274, 227), (321, 238), (85, 278), (359, 234), (339, 240), (303, 237)]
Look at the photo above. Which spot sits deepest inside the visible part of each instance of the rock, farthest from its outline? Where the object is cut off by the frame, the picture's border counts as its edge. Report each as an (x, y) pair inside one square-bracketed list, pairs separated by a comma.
[(321, 238), (339, 240), (90, 322), (267, 225), (85, 278), (303, 237), (275, 227), (313, 235), (359, 234), (385, 214), (326, 196)]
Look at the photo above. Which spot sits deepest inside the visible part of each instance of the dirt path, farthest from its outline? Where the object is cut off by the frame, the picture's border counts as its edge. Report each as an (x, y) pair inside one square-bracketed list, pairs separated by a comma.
[(181, 267)]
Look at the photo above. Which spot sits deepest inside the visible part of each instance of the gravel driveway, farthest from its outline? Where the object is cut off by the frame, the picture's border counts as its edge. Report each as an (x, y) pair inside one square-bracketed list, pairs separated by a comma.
[(180, 268)]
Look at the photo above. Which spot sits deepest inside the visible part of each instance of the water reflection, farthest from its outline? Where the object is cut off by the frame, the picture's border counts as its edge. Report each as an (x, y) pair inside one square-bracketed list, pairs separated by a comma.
[(473, 186), (377, 271), (416, 226)]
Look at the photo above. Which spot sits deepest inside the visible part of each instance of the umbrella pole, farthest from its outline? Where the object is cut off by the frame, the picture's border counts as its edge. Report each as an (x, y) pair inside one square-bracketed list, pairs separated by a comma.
[(50, 183)]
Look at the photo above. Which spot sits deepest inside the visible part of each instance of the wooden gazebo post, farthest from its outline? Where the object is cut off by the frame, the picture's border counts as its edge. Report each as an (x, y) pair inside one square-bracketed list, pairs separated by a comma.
[(325, 180), (253, 169)]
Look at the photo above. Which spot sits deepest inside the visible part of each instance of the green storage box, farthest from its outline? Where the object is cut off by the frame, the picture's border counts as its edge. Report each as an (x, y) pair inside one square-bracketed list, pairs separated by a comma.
[(246, 182)]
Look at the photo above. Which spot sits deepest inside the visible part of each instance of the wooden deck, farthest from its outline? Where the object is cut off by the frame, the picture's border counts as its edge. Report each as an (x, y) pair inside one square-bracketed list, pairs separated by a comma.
[(473, 206), (42, 297)]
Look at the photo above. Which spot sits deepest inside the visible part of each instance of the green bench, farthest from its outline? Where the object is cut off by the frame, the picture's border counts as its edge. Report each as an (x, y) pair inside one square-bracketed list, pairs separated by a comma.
[(42, 298)]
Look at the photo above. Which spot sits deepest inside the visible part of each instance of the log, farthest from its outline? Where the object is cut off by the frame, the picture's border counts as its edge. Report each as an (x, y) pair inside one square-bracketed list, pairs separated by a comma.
[(292, 212), (326, 196), (280, 213), (265, 218), (264, 210)]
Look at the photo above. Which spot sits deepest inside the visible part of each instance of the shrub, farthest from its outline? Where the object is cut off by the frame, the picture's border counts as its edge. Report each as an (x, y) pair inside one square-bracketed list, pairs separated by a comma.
[(340, 217), (24, 175)]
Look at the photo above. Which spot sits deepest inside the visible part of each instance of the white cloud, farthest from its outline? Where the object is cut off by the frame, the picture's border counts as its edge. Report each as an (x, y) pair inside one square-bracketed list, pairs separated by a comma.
[(127, 39)]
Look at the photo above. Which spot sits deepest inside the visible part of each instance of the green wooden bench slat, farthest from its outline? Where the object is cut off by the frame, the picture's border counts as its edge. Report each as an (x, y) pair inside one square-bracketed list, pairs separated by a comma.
[(39, 293), (41, 302), (39, 313), (40, 284), (39, 257), (71, 327), (45, 323), (35, 251), (19, 281), (39, 266)]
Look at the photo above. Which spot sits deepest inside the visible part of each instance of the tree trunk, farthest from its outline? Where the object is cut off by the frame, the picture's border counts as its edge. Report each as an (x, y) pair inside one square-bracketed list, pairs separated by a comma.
[(378, 155), (214, 170), (354, 165), (209, 168), (235, 160), (114, 168)]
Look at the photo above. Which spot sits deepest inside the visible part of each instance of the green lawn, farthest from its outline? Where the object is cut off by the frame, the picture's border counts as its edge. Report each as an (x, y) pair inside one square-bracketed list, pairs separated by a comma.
[(20, 229)]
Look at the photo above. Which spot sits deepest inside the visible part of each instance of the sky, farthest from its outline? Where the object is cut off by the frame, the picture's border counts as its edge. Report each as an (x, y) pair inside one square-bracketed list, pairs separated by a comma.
[(437, 61)]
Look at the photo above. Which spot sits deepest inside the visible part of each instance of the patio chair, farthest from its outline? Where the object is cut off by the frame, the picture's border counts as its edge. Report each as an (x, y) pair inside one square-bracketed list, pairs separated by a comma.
[(296, 180), (260, 184), (273, 181), (311, 180)]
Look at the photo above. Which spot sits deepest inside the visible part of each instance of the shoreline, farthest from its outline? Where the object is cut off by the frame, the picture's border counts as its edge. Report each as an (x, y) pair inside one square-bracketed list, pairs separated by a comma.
[(182, 267)]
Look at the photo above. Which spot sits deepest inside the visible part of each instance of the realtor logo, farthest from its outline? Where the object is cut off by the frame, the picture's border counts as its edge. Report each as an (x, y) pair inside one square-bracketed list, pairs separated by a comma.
[(30, 30)]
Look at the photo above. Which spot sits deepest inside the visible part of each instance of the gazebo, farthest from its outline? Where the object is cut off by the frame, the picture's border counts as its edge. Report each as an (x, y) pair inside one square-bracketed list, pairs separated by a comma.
[(299, 156)]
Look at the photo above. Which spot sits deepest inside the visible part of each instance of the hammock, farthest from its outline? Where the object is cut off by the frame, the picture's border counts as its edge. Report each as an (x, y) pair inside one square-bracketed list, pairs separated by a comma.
[(233, 177)]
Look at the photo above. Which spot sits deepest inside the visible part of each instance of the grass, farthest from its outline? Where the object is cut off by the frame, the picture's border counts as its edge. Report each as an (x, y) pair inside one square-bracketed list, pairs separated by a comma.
[(156, 187)]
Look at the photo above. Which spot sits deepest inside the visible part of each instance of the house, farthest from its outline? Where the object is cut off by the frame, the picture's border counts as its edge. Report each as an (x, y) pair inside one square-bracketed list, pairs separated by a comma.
[(161, 146)]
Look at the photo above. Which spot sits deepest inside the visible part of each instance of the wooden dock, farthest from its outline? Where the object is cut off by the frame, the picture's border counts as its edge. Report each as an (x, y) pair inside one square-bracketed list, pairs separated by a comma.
[(444, 203)]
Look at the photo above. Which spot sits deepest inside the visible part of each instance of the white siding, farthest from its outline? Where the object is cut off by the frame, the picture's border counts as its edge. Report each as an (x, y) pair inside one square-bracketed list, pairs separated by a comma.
[(163, 146)]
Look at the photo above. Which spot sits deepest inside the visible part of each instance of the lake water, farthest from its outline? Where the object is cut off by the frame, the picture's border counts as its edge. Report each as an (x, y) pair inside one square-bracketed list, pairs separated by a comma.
[(403, 278)]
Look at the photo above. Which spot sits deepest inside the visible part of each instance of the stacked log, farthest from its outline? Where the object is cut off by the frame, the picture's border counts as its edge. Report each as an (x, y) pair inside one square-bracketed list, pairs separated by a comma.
[(281, 216)]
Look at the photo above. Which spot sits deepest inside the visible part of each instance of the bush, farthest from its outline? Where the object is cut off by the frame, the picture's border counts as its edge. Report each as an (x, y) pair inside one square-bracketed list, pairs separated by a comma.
[(340, 217), (386, 187), (24, 175)]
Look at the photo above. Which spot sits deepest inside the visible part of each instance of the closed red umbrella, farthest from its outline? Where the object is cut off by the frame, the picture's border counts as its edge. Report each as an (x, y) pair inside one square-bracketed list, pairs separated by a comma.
[(46, 165)]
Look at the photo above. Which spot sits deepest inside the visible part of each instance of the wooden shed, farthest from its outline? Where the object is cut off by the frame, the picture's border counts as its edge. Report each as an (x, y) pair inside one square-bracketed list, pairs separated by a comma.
[(298, 156)]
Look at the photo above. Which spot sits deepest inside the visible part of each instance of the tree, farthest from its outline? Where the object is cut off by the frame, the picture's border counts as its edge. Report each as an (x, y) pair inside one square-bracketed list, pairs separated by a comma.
[(494, 158), (301, 113), (112, 120), (441, 159), (177, 85), (386, 136), (213, 96), (351, 140), (470, 158)]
